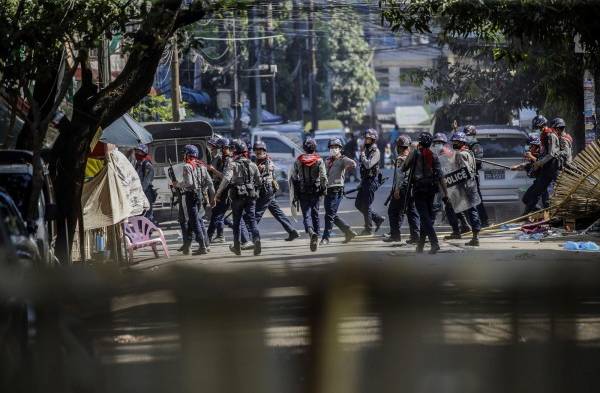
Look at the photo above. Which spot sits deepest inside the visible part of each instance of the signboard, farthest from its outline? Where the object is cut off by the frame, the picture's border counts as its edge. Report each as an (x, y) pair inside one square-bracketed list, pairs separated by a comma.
[(457, 177)]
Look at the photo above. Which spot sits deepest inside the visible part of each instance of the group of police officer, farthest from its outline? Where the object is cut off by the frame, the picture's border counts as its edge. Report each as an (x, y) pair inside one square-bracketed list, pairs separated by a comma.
[(233, 180)]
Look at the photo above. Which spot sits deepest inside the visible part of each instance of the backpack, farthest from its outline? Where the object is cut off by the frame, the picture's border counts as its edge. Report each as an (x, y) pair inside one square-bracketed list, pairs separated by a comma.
[(246, 189), (308, 180)]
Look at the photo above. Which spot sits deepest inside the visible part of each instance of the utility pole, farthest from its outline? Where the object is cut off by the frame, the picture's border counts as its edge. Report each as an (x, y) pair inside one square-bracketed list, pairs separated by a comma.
[(312, 79), (104, 62), (175, 104), (272, 97), (254, 50), (299, 83), (237, 121)]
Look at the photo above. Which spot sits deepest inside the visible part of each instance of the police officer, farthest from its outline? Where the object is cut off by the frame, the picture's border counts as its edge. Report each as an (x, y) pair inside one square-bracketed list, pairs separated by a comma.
[(243, 179), (475, 147), (217, 166), (427, 182), (213, 147), (530, 156), (466, 159), (336, 166), (266, 199), (195, 184), (145, 170), (565, 142), (546, 168), (400, 201), (309, 178), (369, 183)]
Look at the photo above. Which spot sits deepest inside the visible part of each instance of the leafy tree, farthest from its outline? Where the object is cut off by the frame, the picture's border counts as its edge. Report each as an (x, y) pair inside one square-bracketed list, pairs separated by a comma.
[(154, 108), (518, 30), (43, 43), (353, 82)]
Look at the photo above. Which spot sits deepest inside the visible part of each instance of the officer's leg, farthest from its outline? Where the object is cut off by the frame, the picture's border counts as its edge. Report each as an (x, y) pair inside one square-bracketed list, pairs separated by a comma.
[(329, 215), (483, 216), (361, 205), (337, 219), (452, 220), (216, 219), (280, 216), (473, 217), (262, 203), (394, 212), (314, 213), (376, 218), (305, 208), (192, 211), (250, 219), (420, 205), (237, 212), (433, 239), (185, 229), (413, 220)]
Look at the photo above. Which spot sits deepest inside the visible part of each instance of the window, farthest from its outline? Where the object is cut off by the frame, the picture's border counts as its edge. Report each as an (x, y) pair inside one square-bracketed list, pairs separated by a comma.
[(162, 154), (12, 221), (18, 186), (383, 77), (406, 75), (503, 147), (322, 145), (276, 146)]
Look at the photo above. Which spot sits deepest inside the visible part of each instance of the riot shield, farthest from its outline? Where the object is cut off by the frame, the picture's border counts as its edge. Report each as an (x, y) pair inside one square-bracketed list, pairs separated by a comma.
[(462, 187)]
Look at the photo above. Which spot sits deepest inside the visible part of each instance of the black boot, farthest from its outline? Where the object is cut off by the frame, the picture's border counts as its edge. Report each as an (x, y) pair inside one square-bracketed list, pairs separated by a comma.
[(350, 234), (314, 240), (200, 251), (235, 248), (392, 239), (292, 236), (453, 236), (434, 249), (378, 222), (257, 247), (474, 242)]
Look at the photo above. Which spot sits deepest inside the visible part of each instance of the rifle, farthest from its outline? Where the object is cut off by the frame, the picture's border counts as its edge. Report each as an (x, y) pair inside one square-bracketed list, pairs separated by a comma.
[(492, 163), (175, 191)]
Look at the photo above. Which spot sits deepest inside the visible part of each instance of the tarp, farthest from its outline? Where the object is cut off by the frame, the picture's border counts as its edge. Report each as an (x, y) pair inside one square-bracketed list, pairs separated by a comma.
[(125, 132), (113, 195), (460, 190)]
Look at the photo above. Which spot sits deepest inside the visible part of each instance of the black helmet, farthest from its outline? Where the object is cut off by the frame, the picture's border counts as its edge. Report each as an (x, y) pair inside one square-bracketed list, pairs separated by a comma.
[(238, 146), (470, 130), (558, 123), (259, 145), (538, 122), (371, 133), (403, 141), (440, 137), (425, 139), (310, 145), (222, 142)]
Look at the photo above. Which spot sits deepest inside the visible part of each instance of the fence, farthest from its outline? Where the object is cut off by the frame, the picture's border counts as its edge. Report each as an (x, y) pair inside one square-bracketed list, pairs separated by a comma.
[(348, 327)]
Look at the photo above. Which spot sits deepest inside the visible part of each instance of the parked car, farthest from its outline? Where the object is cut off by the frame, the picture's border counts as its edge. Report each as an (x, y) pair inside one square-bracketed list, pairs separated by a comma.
[(168, 143), (16, 174), (504, 145), (16, 239)]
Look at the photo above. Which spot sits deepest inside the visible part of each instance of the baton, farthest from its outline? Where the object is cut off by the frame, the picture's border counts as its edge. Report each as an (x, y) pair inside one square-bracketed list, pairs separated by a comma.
[(493, 163)]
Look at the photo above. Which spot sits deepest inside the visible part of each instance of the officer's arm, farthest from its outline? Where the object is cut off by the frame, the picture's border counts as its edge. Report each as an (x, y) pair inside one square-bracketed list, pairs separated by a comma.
[(187, 178), (257, 177), (323, 175), (408, 162), (349, 163), (553, 151), (148, 176), (210, 186), (370, 163), (227, 176)]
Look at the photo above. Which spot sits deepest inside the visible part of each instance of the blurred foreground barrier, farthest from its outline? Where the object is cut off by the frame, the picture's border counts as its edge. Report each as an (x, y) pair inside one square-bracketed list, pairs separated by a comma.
[(469, 326)]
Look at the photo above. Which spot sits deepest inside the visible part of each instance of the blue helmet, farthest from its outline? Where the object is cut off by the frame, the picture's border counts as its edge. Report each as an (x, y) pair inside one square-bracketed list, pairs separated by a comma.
[(534, 140), (371, 133), (191, 150), (238, 146), (142, 147), (538, 122), (459, 137), (440, 137), (222, 142), (213, 142), (470, 130), (309, 145), (335, 142), (425, 139), (259, 145), (558, 123), (403, 141)]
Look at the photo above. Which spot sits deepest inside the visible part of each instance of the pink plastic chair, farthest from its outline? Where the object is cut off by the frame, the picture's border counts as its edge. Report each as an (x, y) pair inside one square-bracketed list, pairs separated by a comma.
[(138, 231)]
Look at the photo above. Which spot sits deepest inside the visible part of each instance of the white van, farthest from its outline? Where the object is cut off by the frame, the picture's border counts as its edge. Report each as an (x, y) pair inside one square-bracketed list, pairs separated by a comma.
[(169, 140)]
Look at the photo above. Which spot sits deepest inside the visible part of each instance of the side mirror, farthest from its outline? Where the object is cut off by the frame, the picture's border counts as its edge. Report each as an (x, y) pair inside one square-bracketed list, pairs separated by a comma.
[(51, 212)]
